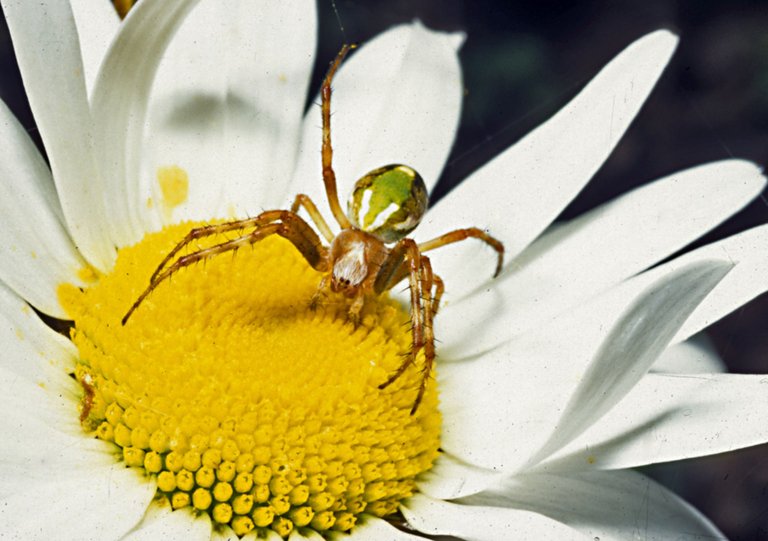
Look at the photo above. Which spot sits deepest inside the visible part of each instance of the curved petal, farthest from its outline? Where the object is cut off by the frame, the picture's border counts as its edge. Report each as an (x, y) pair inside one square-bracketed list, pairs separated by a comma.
[(396, 100), (227, 106), (451, 478), (639, 337), (119, 103), (31, 350), (545, 387), (42, 438), (519, 193), (97, 24), (86, 503), (696, 355), (748, 278), (48, 51), (483, 522), (36, 252), (577, 260), (610, 506), (164, 523), (670, 417)]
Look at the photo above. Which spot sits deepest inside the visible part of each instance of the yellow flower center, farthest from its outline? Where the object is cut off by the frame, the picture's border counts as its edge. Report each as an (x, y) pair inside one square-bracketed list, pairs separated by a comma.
[(242, 401)]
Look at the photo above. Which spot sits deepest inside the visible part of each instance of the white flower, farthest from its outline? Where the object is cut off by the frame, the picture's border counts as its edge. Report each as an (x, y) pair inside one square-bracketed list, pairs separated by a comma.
[(556, 378)]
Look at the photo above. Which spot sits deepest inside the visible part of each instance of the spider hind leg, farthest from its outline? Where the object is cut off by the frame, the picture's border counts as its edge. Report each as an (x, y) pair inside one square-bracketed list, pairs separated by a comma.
[(405, 259)]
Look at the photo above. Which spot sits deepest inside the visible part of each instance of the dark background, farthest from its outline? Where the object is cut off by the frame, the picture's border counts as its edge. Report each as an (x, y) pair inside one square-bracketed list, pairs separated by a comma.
[(523, 60)]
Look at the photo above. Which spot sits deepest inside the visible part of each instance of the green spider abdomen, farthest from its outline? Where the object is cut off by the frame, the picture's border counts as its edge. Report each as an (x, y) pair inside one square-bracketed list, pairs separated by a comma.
[(388, 202)]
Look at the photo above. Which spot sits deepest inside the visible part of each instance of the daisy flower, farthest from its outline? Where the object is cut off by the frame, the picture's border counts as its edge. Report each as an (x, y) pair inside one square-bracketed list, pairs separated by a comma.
[(227, 408)]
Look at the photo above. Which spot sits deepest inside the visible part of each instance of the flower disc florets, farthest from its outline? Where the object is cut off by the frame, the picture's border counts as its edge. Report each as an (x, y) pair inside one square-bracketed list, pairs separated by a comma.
[(241, 400)]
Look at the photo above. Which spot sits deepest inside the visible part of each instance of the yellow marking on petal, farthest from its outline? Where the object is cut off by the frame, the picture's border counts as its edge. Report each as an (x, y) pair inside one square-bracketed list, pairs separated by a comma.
[(241, 401), (150, 203), (174, 185), (591, 459), (88, 274)]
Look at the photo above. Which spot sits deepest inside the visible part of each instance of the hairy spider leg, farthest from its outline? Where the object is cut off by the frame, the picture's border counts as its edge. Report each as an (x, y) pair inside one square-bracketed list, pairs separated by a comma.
[(439, 290), (289, 226), (405, 258), (214, 229), (427, 280), (329, 176), (303, 200), (461, 234)]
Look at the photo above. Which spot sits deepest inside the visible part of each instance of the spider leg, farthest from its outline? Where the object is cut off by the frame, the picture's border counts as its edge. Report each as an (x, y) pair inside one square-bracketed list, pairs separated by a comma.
[(405, 257), (430, 309), (329, 176), (439, 290), (461, 234), (281, 222), (303, 200), (215, 229)]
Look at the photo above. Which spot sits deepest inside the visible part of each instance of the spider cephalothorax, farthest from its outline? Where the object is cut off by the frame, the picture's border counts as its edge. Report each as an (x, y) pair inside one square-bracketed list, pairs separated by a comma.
[(385, 205)]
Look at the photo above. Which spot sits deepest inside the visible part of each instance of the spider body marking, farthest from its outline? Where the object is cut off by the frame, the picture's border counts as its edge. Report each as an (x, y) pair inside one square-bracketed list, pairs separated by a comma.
[(385, 206)]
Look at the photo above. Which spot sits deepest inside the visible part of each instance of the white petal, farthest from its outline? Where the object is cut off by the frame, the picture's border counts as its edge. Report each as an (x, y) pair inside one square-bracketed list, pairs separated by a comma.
[(610, 506), (579, 259), (483, 523), (35, 367), (305, 535), (86, 504), (696, 355), (670, 417), (639, 337), (530, 385), (31, 449), (119, 104), (30, 348), (55, 402), (747, 251), (97, 23), (518, 194), (47, 48), (396, 100), (227, 105), (36, 252), (749, 278), (375, 529), (180, 525), (224, 534), (451, 478)]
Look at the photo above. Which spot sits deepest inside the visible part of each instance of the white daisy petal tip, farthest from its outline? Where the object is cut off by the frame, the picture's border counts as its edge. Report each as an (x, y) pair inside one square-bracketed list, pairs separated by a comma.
[(454, 39)]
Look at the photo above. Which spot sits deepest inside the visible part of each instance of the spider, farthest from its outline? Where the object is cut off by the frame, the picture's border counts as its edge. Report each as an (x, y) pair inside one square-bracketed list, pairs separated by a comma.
[(385, 205)]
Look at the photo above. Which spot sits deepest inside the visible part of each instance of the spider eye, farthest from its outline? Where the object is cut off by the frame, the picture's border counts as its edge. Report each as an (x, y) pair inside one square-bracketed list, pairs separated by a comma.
[(388, 202)]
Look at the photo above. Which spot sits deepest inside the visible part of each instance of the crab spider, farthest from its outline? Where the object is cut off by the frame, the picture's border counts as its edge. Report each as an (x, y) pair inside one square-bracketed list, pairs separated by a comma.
[(385, 205)]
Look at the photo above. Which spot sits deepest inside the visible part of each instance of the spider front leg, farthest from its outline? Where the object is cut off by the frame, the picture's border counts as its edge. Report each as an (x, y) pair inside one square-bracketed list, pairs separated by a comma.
[(329, 176), (275, 222), (403, 259)]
